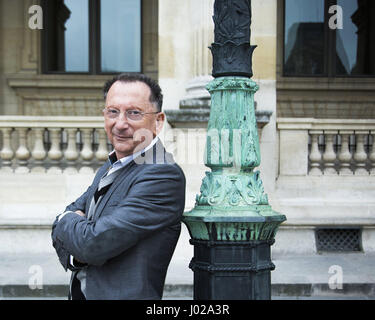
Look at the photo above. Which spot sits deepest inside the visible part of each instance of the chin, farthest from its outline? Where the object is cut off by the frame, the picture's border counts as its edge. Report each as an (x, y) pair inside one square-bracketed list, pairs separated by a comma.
[(123, 150)]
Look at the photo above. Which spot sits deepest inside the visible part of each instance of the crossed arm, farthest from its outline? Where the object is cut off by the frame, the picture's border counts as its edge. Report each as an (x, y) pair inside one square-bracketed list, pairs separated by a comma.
[(155, 201)]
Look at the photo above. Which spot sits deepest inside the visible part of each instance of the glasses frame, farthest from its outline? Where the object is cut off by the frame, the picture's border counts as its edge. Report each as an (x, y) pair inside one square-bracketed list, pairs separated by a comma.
[(126, 114)]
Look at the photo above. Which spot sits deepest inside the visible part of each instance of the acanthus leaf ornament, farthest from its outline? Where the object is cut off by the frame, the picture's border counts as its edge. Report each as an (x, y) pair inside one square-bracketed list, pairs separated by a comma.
[(232, 190)]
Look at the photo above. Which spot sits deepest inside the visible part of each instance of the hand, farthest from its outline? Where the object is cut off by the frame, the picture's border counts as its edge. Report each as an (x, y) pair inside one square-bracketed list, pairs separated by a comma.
[(81, 213)]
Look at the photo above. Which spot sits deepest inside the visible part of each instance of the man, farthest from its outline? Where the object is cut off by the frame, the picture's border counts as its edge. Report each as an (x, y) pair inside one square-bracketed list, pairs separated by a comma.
[(119, 236)]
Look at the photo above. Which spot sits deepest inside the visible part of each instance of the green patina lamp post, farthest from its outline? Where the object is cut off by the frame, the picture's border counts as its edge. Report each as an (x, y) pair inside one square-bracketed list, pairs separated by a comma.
[(232, 225)]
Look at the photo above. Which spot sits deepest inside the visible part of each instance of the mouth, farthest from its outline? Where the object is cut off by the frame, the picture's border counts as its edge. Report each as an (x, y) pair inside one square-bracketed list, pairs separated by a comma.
[(119, 137)]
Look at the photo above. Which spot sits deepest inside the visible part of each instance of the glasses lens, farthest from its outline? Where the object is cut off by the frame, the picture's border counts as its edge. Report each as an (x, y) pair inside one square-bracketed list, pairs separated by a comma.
[(112, 113), (134, 115), (130, 114)]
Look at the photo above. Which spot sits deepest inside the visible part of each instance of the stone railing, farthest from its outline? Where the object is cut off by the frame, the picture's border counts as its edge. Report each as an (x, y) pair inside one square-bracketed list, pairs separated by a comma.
[(326, 147), (52, 144)]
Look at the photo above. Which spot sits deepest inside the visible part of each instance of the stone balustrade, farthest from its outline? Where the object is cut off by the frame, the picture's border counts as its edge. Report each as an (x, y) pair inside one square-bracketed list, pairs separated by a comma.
[(59, 144), (327, 147), (52, 144), (79, 144)]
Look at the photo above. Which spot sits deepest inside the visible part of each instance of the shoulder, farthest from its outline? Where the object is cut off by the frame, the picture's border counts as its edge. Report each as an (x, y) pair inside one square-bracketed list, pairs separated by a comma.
[(164, 182), (161, 170), (158, 161)]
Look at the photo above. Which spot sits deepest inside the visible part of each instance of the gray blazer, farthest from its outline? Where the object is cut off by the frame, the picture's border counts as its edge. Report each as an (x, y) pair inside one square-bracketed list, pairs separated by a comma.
[(129, 244)]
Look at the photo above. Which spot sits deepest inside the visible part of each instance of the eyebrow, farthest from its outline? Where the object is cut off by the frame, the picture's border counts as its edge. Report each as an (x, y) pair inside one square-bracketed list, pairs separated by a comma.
[(119, 106)]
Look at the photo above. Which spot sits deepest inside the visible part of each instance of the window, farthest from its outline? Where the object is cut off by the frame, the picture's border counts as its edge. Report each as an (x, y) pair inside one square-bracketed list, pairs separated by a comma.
[(91, 36), (338, 239), (313, 48)]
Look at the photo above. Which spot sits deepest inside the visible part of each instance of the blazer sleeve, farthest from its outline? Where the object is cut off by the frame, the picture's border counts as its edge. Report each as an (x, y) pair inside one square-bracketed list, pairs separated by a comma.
[(61, 251), (79, 204), (155, 200)]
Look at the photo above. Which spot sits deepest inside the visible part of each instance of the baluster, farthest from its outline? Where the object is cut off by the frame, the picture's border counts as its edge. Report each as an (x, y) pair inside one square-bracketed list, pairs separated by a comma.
[(329, 156), (86, 153), (315, 155), (102, 152), (6, 153), (71, 153), (38, 153), (372, 154), (55, 154), (22, 153), (344, 154), (360, 155)]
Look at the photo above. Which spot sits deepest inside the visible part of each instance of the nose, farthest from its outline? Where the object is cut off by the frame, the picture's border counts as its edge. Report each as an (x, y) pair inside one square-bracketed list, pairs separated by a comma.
[(121, 122)]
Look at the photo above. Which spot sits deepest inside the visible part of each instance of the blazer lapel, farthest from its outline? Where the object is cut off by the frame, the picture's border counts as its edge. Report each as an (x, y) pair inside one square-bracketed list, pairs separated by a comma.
[(113, 187), (95, 184), (157, 154)]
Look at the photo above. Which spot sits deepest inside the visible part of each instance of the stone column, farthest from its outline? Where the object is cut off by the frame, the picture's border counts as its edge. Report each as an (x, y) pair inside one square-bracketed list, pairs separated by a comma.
[(197, 95)]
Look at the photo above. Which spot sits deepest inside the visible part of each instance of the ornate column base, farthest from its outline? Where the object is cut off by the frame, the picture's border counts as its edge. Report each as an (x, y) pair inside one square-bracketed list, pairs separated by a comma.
[(232, 251), (225, 270)]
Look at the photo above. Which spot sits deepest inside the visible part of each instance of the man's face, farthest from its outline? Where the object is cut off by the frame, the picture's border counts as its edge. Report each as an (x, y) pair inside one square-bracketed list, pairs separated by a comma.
[(126, 134)]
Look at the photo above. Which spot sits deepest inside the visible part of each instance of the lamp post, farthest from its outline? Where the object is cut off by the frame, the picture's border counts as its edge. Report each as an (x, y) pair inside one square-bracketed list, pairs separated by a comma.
[(232, 225)]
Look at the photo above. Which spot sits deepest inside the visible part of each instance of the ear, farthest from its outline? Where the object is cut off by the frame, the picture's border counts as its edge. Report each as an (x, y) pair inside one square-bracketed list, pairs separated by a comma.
[(159, 122)]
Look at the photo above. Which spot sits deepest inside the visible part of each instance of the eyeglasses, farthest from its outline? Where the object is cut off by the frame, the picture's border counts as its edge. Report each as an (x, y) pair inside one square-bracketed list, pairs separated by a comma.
[(133, 115)]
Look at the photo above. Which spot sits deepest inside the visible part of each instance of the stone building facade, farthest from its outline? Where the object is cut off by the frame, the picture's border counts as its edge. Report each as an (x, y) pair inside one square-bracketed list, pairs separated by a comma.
[(315, 110)]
